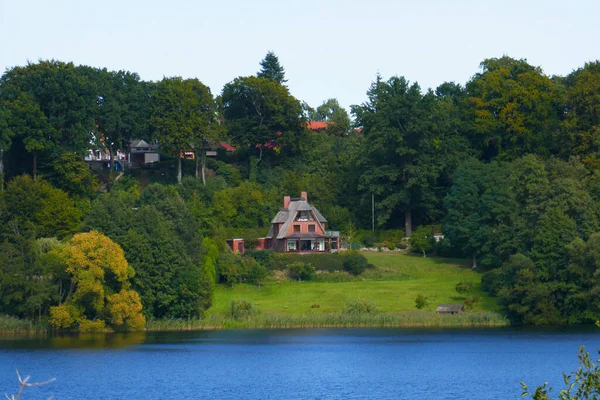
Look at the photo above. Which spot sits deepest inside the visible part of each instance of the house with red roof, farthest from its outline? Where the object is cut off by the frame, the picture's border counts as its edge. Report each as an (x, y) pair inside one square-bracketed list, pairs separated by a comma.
[(299, 227)]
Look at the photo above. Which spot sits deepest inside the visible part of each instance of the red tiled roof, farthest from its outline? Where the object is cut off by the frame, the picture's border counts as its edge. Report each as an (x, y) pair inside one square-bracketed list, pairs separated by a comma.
[(227, 146), (317, 125)]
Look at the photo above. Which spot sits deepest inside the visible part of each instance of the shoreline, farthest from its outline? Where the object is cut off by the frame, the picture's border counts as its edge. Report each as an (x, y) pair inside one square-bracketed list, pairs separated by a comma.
[(414, 319)]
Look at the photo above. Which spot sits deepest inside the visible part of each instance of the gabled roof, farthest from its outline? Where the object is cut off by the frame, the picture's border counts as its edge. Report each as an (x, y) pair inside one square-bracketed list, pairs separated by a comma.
[(286, 216), (138, 143), (450, 308), (317, 125), (227, 146)]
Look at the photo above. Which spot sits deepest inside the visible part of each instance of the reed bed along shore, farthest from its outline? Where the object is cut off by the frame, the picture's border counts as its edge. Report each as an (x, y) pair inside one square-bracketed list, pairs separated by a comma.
[(333, 320), (10, 325)]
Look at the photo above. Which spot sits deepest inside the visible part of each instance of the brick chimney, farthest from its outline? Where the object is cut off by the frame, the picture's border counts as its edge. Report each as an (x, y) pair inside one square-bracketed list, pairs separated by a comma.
[(286, 201), (304, 195)]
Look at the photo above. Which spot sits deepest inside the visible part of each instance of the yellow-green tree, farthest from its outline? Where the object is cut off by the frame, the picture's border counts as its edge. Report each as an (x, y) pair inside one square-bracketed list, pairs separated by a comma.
[(100, 290)]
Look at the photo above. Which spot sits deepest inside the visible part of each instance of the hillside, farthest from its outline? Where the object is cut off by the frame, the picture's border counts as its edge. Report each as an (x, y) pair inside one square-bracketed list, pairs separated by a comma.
[(393, 285)]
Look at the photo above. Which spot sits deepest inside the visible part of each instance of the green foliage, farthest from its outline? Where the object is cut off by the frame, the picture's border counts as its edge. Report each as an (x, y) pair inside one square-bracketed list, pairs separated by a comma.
[(471, 302), (421, 302), (262, 114), (271, 69), (182, 115), (514, 108), (73, 176), (422, 240), (584, 383), (329, 262), (337, 116), (40, 206), (464, 287), (361, 307), (300, 271), (354, 262), (241, 309)]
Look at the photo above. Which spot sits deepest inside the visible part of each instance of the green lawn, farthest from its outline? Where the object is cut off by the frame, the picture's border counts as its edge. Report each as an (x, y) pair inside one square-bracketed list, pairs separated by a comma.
[(397, 279)]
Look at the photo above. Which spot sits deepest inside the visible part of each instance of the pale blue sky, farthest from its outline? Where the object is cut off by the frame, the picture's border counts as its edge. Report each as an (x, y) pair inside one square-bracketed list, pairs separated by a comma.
[(328, 48)]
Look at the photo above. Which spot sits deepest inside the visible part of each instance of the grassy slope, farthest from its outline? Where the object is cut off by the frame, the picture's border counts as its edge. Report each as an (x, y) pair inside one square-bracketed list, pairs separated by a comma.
[(393, 285)]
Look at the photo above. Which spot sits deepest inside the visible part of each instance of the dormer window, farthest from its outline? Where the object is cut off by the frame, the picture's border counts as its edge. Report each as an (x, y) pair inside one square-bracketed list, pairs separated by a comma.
[(304, 216)]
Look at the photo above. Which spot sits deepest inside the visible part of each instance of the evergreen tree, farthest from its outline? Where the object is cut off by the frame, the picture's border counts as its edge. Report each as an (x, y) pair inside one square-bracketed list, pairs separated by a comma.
[(271, 69)]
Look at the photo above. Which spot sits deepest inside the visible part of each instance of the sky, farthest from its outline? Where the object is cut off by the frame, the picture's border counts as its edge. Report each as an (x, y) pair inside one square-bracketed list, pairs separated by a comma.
[(329, 49)]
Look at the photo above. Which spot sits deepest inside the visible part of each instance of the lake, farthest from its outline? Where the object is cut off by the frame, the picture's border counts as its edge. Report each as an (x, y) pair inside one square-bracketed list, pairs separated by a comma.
[(296, 363)]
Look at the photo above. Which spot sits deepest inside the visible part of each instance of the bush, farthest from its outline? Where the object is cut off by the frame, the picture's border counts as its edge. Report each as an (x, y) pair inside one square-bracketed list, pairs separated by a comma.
[(444, 248), (300, 271), (422, 240), (391, 235), (421, 302), (491, 281), (470, 303), (257, 273), (391, 246), (360, 307), (464, 287), (241, 309), (329, 262), (354, 262), (367, 238), (228, 267), (264, 257)]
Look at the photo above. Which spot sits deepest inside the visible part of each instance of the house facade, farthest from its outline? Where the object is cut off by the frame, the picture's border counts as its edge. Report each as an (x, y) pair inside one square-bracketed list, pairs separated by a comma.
[(299, 227)]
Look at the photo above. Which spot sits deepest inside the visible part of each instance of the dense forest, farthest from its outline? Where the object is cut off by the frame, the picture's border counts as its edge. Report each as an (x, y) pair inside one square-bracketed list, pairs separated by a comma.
[(508, 166)]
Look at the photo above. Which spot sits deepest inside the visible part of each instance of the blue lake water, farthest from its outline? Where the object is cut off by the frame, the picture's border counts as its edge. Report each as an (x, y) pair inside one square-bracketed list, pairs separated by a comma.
[(296, 363)]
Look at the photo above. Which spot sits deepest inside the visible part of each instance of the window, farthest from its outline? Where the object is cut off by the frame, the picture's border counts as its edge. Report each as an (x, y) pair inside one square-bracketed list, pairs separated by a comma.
[(320, 244), (311, 228), (296, 228), (291, 245)]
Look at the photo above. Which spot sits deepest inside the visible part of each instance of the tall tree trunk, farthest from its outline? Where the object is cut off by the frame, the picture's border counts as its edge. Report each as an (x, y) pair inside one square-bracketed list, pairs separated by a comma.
[(474, 261), (197, 164), (1, 170), (203, 155), (111, 167), (407, 222), (35, 165), (179, 167)]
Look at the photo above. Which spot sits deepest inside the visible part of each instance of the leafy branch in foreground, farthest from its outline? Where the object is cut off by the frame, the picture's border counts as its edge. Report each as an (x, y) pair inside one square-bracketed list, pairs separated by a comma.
[(586, 384), (23, 383)]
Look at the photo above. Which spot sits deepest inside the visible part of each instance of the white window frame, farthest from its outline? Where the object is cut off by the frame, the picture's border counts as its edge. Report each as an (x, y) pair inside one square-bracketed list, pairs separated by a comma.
[(292, 245)]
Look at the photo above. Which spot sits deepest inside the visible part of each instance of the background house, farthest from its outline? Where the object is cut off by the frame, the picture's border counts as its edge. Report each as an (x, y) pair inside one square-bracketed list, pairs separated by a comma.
[(299, 227)]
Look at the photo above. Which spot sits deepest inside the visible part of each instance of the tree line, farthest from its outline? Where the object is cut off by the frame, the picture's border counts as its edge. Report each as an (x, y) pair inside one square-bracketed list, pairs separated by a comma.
[(508, 164)]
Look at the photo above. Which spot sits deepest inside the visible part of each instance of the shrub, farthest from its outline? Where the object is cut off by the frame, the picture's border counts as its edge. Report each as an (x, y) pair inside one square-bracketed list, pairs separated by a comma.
[(241, 309), (470, 303), (355, 246), (367, 238), (354, 262), (391, 246), (257, 273), (491, 281), (464, 287), (329, 262), (360, 307), (421, 302), (391, 235), (444, 248), (264, 257), (228, 267), (422, 240), (300, 271)]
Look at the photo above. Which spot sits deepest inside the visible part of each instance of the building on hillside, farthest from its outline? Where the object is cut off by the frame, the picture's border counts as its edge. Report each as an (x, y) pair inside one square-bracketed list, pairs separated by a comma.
[(142, 153), (317, 126), (299, 227), (450, 308)]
